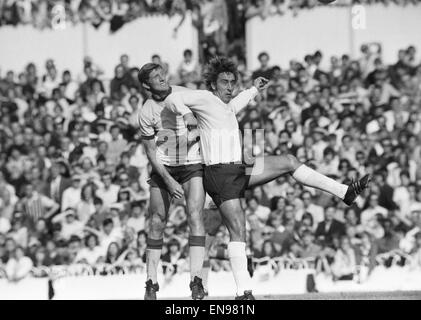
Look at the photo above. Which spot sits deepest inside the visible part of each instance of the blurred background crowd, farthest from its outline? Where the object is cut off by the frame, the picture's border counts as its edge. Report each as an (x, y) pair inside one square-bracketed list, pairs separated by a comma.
[(73, 172), (220, 22)]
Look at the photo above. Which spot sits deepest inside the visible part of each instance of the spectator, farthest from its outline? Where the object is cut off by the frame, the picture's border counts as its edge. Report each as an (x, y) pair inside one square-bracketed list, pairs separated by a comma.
[(41, 259), (109, 234), (308, 249), (416, 253), (18, 231), (264, 69), (254, 208), (173, 257), (116, 146), (70, 226), (369, 215), (86, 208), (18, 266), (137, 219), (311, 208), (57, 185), (188, 71), (329, 228), (390, 240), (109, 191), (344, 266), (37, 206), (72, 195), (91, 253)]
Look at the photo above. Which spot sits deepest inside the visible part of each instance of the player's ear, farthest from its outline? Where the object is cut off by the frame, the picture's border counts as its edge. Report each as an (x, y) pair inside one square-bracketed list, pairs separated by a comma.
[(213, 86), (146, 86)]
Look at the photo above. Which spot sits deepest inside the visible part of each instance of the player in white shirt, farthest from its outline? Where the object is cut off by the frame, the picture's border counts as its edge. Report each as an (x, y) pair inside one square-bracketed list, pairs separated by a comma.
[(177, 170), (226, 176)]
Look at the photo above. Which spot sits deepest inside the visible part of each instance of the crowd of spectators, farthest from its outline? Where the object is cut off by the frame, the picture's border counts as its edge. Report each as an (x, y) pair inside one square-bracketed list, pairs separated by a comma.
[(267, 8), (73, 172), (220, 23), (43, 13)]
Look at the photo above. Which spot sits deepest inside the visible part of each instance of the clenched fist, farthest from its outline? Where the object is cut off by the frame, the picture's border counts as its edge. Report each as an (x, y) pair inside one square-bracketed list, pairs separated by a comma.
[(260, 83)]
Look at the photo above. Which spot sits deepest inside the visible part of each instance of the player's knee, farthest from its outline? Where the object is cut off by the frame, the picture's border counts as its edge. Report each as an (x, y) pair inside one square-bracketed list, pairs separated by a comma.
[(196, 226), (157, 225), (237, 230)]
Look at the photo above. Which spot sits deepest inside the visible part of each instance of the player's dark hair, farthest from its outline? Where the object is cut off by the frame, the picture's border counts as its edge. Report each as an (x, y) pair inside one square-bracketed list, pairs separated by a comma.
[(217, 66), (146, 70)]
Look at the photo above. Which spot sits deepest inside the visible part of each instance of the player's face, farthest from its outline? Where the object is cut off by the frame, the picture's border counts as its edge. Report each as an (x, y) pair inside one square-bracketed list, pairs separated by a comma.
[(157, 81), (224, 87)]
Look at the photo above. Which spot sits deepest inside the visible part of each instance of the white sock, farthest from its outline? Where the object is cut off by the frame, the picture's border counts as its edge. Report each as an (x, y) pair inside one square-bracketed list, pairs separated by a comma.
[(205, 276), (197, 255), (206, 264), (153, 256), (312, 178), (238, 259)]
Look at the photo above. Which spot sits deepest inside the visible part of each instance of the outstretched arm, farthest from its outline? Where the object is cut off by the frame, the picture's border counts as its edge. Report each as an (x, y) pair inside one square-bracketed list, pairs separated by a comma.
[(244, 97)]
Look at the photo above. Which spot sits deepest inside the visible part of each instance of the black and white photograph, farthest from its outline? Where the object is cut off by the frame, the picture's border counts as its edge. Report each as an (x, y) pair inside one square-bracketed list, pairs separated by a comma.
[(210, 150)]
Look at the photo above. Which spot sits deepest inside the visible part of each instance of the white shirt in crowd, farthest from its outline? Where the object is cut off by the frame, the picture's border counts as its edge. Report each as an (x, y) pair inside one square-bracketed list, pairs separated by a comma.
[(55, 187), (90, 255), (109, 195), (70, 229), (217, 122), (262, 213), (402, 198), (116, 235), (137, 224), (18, 268), (4, 225), (71, 198), (20, 236), (316, 212), (369, 214)]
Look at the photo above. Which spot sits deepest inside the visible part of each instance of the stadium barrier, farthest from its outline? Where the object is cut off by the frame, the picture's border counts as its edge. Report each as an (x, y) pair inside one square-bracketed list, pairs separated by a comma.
[(84, 282), (334, 31), (140, 39)]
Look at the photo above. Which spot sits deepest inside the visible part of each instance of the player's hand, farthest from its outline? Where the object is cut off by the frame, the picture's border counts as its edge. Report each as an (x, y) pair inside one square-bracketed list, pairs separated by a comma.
[(260, 83), (190, 120), (175, 189)]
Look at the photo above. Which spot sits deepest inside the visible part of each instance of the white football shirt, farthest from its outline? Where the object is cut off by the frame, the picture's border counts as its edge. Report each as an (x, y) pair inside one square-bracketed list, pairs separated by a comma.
[(217, 122)]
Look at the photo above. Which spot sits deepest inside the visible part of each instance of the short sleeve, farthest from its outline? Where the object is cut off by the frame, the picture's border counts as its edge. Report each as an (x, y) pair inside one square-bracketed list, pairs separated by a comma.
[(146, 123)]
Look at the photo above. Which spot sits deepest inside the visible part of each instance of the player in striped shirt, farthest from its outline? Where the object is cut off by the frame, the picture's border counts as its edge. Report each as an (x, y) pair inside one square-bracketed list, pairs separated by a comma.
[(226, 177), (177, 171)]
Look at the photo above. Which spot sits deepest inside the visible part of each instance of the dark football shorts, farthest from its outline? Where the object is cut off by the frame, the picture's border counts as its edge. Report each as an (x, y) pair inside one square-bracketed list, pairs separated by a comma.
[(225, 182), (181, 174)]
